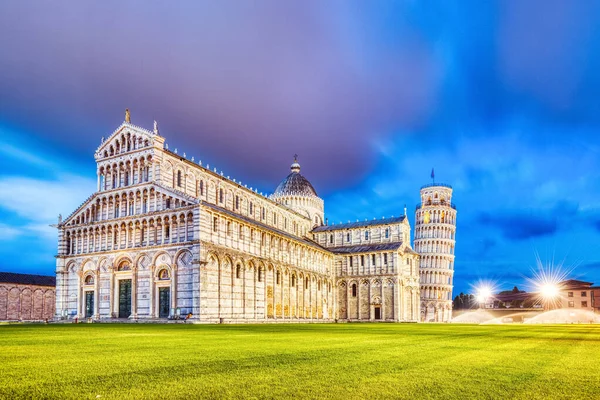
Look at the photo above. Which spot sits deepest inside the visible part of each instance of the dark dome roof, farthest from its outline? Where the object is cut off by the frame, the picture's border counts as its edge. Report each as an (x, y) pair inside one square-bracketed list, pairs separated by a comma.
[(295, 184)]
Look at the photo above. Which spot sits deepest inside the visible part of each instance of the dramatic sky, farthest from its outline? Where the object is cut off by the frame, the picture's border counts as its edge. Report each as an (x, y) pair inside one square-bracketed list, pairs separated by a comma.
[(502, 98)]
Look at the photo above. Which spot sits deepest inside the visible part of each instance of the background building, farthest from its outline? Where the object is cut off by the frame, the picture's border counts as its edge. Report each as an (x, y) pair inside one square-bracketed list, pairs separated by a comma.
[(26, 297)]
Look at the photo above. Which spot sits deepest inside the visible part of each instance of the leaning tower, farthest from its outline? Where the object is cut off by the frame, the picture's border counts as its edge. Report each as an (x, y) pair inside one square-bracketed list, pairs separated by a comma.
[(435, 226)]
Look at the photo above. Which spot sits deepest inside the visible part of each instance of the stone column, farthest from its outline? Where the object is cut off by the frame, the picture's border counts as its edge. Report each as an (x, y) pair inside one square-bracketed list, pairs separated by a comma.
[(80, 301), (97, 295), (111, 297), (397, 298), (134, 277), (174, 287)]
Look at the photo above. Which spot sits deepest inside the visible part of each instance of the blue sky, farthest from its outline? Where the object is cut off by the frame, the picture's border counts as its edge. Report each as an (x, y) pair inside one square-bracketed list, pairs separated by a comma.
[(500, 97)]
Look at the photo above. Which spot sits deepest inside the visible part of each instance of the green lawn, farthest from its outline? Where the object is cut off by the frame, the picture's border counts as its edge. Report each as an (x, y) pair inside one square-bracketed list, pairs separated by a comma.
[(346, 361)]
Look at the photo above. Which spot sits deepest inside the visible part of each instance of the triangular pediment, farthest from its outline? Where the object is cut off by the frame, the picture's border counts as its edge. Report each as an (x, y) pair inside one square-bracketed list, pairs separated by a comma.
[(126, 138)]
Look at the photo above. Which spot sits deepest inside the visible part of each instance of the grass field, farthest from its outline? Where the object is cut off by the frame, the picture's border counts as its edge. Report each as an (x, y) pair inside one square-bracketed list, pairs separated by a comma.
[(316, 361)]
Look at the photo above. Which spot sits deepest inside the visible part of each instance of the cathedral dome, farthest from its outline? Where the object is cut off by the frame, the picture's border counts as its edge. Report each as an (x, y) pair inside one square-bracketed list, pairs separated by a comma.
[(295, 184)]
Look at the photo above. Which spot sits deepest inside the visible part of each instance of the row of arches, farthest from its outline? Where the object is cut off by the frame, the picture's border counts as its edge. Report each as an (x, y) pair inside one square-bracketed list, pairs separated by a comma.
[(234, 234), (127, 203), (375, 299), (253, 289), (124, 143), (369, 264), (436, 292), (26, 303), (439, 262), (125, 173), (94, 289), (344, 237), (424, 231), (311, 207), (435, 277), (436, 311), (436, 217), (174, 228), (434, 246)]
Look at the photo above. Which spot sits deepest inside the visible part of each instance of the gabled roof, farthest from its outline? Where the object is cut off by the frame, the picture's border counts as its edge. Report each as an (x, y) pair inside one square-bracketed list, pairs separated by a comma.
[(27, 279), (366, 248), (359, 224), (125, 125), (574, 283)]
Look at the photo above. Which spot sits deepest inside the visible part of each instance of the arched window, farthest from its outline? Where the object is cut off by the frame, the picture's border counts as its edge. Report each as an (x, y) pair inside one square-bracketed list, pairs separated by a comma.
[(201, 188), (260, 274), (293, 280), (306, 283), (387, 233), (179, 178), (366, 235), (331, 238), (220, 195), (89, 280), (278, 277), (354, 290), (238, 272), (215, 224), (124, 266), (163, 275)]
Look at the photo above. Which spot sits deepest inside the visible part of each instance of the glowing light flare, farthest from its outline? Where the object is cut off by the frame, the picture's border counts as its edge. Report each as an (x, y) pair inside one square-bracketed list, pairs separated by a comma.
[(549, 290), (547, 280), (483, 293)]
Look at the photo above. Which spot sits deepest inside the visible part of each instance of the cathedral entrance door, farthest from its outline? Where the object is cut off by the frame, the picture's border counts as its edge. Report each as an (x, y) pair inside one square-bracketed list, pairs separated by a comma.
[(377, 312), (125, 298), (89, 304), (164, 299)]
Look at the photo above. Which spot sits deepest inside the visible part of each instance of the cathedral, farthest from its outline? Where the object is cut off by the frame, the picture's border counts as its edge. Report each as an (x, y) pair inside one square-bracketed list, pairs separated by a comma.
[(165, 237)]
